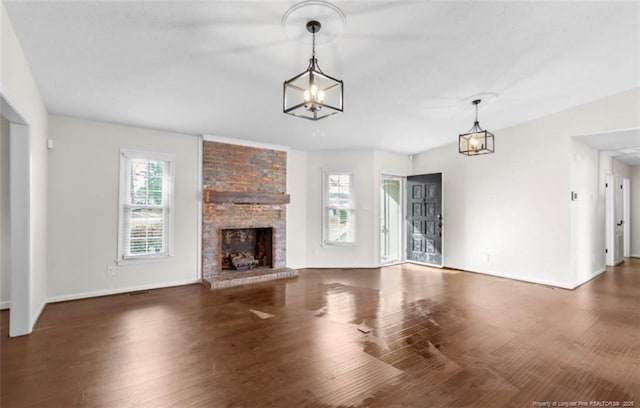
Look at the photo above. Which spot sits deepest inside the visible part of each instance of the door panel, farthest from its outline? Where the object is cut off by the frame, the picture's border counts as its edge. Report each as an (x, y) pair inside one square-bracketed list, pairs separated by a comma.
[(424, 219)]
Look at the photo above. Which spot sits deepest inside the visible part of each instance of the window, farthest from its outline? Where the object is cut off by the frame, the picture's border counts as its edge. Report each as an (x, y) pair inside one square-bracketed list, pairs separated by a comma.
[(339, 210), (146, 201)]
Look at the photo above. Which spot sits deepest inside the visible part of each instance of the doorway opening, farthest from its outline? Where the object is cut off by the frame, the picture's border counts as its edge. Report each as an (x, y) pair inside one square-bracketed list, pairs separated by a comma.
[(619, 155), (617, 209), (391, 215)]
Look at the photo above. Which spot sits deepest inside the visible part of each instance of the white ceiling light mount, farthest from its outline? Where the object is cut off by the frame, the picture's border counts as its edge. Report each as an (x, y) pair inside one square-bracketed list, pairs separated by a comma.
[(312, 94)]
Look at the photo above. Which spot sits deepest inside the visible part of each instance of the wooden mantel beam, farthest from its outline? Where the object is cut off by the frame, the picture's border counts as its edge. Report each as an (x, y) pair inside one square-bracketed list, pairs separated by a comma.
[(237, 197)]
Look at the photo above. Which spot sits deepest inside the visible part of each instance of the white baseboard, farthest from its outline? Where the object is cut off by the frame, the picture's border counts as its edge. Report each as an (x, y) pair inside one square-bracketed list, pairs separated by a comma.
[(546, 282), (527, 279), (424, 264), (5, 305), (634, 256), (491, 273), (294, 266), (85, 295), (340, 267), (592, 276), (36, 315), (396, 263)]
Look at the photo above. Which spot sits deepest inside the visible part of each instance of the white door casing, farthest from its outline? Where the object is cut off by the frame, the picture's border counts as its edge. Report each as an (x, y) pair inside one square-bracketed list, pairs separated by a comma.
[(618, 219)]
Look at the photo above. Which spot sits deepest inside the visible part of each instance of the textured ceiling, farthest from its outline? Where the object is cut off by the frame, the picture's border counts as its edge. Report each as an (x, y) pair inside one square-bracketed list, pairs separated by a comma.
[(217, 67)]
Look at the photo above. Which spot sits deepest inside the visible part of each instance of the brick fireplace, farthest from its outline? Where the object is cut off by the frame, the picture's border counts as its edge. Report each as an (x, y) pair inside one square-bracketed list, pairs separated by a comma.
[(244, 189)]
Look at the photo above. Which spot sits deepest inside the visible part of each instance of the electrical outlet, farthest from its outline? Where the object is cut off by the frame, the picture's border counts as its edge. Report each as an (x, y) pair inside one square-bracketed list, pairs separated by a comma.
[(485, 257), (316, 251), (111, 271)]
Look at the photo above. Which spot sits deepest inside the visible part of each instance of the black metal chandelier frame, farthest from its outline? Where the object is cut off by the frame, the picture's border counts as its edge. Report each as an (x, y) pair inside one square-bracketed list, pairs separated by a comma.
[(308, 104), (476, 141)]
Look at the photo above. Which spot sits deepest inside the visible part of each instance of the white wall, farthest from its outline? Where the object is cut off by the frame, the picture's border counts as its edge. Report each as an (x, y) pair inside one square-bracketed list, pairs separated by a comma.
[(360, 163), (621, 169), (297, 209), (588, 177), (514, 205), (18, 86), (83, 208), (635, 211), (5, 275), (495, 207), (366, 166), (391, 163), (589, 172)]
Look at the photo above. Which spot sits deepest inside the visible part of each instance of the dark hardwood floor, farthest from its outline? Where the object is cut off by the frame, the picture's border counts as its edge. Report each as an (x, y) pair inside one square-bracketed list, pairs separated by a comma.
[(438, 339)]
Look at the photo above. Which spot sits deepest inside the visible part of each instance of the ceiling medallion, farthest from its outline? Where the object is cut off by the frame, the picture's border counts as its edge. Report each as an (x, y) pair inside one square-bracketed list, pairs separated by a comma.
[(295, 19)]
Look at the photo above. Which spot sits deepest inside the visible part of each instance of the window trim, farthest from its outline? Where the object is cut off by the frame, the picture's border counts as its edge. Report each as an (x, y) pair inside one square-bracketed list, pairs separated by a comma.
[(325, 204), (169, 179)]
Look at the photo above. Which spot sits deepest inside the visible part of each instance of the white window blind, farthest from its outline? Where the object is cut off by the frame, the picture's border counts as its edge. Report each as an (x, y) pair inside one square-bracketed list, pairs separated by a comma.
[(339, 209), (146, 201)]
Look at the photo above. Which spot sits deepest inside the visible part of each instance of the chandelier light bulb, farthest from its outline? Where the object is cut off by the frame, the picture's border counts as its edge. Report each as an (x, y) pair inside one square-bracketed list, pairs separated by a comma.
[(313, 98)]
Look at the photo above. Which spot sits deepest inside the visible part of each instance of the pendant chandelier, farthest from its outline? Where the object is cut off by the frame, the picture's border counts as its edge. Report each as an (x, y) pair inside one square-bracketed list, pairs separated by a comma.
[(477, 140), (313, 94)]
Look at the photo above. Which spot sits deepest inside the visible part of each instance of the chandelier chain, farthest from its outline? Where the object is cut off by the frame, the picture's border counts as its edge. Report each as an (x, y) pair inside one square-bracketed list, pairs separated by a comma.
[(313, 46)]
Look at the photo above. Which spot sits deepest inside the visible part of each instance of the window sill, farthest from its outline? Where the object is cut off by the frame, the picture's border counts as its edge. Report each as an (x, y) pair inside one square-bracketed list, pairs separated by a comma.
[(339, 244), (144, 260)]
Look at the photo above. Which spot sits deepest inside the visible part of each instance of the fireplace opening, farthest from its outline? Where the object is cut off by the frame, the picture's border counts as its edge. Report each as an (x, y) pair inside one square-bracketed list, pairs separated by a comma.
[(246, 248)]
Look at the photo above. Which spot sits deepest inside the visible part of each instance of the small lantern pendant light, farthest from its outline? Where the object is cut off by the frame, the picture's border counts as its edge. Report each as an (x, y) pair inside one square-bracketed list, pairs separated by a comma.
[(476, 141), (313, 94)]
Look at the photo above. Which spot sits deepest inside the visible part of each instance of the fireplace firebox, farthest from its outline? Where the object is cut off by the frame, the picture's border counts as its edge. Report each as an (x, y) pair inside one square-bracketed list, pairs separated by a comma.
[(246, 248)]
